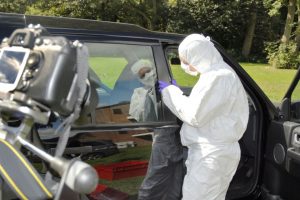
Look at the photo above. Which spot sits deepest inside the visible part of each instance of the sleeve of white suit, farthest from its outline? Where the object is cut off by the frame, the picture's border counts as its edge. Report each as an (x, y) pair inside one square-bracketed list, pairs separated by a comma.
[(200, 107)]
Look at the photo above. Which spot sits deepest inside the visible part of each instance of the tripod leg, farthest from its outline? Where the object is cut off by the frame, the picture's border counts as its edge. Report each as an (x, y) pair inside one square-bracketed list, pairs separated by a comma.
[(1, 188)]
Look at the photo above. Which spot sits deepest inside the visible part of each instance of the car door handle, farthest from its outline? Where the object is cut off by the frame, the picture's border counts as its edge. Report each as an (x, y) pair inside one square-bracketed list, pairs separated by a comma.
[(296, 141), (293, 152)]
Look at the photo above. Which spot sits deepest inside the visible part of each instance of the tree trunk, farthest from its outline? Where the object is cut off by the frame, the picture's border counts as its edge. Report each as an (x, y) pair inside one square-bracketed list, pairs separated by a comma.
[(297, 39), (249, 35), (289, 22), (143, 14), (154, 15)]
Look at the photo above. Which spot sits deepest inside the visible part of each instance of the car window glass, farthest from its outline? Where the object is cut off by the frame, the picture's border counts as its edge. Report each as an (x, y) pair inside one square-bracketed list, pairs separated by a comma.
[(126, 77), (182, 78)]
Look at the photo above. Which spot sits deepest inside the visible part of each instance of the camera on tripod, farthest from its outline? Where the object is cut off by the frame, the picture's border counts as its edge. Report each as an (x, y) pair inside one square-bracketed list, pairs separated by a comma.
[(41, 67), (42, 76)]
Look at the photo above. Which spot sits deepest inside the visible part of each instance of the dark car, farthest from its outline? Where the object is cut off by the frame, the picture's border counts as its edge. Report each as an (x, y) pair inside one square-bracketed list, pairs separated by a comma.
[(89, 150), (270, 164)]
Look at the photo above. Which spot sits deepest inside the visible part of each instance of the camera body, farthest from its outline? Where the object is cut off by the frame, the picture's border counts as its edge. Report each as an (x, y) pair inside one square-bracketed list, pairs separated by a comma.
[(42, 67), (43, 79)]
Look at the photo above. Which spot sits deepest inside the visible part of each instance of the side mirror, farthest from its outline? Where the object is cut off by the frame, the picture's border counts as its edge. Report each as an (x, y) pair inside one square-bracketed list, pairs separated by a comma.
[(175, 61)]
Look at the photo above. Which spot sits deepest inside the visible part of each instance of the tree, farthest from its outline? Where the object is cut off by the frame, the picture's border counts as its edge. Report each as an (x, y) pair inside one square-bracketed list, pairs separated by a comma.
[(226, 22), (249, 35), (151, 14), (77, 8), (285, 53), (253, 6), (241, 26), (289, 21), (297, 32), (16, 6)]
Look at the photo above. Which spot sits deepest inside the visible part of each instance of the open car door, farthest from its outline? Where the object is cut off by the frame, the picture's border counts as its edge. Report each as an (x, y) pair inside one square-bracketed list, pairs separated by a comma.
[(281, 172)]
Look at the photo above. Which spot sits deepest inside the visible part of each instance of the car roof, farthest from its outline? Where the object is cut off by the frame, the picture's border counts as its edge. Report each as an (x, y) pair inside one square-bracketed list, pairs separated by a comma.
[(85, 26)]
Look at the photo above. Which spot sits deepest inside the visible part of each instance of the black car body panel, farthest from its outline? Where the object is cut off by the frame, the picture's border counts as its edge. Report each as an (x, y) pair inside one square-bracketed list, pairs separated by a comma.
[(269, 166)]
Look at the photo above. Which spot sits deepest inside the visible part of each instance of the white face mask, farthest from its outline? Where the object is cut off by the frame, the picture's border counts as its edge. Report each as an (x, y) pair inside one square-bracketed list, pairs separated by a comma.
[(187, 70), (148, 79)]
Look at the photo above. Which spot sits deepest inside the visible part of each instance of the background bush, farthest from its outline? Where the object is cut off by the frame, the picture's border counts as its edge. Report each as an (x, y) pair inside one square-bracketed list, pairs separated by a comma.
[(283, 56)]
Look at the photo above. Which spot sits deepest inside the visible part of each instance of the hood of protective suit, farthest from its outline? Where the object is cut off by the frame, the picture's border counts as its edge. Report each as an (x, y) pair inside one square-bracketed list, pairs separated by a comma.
[(149, 78), (199, 52)]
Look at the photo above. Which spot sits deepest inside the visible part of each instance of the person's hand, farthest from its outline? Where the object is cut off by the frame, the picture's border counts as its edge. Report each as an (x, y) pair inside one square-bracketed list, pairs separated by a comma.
[(162, 85), (173, 81)]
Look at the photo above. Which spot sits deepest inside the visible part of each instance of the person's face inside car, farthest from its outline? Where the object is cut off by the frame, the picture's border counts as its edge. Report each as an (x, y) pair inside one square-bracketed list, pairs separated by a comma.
[(143, 71), (146, 76)]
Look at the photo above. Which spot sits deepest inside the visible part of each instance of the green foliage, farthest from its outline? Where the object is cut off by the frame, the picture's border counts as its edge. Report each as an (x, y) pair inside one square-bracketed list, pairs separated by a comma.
[(283, 56), (274, 6), (225, 21), (151, 14), (16, 6), (80, 8)]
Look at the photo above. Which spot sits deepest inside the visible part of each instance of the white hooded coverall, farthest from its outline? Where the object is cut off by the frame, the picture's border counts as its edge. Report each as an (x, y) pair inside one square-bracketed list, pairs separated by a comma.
[(143, 98), (214, 116)]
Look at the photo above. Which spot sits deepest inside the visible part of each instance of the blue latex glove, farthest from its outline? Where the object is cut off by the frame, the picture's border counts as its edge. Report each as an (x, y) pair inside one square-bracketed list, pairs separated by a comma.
[(173, 81), (162, 85)]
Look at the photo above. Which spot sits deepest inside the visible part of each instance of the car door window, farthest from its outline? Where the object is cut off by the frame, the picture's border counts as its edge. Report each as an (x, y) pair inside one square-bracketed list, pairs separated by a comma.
[(123, 96)]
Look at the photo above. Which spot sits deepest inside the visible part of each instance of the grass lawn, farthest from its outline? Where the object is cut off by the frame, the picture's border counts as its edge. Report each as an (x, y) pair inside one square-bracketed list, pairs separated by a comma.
[(183, 79), (108, 69), (274, 82), (135, 153)]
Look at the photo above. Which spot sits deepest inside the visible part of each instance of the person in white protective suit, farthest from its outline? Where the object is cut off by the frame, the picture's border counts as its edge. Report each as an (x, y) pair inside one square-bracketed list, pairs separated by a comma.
[(142, 104), (164, 177), (214, 115)]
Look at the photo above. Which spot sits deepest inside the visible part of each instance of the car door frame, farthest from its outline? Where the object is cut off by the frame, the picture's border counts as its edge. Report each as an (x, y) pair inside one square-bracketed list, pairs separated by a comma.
[(164, 120), (282, 163)]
